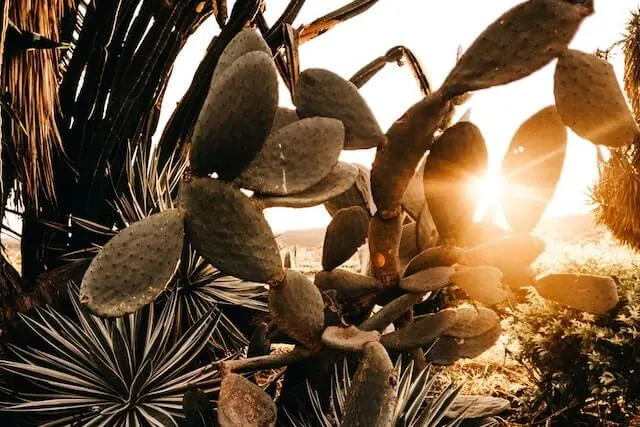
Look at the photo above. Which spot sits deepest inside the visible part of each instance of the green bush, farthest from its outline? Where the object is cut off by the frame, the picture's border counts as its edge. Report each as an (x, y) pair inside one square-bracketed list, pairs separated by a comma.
[(585, 366)]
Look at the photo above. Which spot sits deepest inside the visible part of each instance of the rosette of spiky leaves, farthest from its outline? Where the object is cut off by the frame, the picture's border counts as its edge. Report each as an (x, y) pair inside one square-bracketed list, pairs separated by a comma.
[(131, 370), (418, 402), (202, 287)]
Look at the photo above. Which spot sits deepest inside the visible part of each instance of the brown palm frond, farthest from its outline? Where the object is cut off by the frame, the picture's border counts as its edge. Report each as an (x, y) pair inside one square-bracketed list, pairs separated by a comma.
[(631, 48), (31, 78), (617, 196)]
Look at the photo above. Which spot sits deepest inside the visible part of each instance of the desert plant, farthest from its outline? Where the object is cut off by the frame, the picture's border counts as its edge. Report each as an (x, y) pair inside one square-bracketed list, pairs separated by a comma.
[(591, 381), (127, 371)]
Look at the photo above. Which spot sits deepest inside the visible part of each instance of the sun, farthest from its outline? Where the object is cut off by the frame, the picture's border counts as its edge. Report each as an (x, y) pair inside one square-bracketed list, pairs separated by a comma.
[(486, 190)]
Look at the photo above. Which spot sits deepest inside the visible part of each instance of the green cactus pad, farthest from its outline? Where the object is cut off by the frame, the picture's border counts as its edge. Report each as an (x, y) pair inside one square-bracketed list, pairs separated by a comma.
[(427, 280), (483, 284), (348, 339), (341, 178), (509, 254), (413, 198), (407, 141), (359, 194), (422, 332), (532, 167), (321, 93), (284, 117), (384, 248), (244, 42), (459, 155), (440, 256), (297, 308), (371, 399), (485, 320), (295, 157), (348, 284), (590, 100), (135, 266), (474, 407), (449, 349), (243, 403), (426, 231), (346, 232), (236, 117), (593, 294), (229, 232), (518, 43)]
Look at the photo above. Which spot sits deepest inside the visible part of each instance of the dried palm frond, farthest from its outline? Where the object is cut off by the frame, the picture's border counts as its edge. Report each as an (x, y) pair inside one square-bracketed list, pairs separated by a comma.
[(617, 196), (132, 370), (631, 48), (31, 78), (417, 403)]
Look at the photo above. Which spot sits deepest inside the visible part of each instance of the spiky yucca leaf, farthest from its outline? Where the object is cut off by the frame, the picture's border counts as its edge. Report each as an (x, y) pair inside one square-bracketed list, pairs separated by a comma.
[(131, 370), (418, 404)]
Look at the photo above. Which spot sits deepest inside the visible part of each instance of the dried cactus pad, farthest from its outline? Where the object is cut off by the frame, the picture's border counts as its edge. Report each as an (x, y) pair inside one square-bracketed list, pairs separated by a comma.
[(473, 407), (506, 254), (295, 157), (297, 308), (590, 100), (483, 284), (236, 117), (346, 232), (243, 403), (423, 331), (371, 398), (427, 280), (339, 180), (449, 349), (532, 168), (244, 42), (518, 43), (134, 267), (483, 322), (593, 294), (348, 339), (229, 232), (455, 158), (325, 94)]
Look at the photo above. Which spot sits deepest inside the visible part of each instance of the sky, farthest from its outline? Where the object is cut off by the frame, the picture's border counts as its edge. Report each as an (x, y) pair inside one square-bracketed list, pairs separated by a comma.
[(433, 31)]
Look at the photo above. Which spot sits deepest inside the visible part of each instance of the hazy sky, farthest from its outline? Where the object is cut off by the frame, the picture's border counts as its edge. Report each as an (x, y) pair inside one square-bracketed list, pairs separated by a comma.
[(432, 30)]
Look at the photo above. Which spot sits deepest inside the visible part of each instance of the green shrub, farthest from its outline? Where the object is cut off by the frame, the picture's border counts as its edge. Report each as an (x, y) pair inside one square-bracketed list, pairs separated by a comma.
[(585, 365)]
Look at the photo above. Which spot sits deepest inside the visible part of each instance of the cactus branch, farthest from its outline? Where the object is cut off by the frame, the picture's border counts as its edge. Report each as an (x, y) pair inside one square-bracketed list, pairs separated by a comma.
[(272, 361), (330, 20)]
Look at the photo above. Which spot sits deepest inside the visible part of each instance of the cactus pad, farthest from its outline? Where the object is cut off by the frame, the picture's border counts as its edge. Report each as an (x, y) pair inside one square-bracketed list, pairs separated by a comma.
[(236, 117), (508, 254), (339, 180), (243, 403), (325, 94), (295, 157), (591, 102), (413, 198), (359, 194), (426, 231), (474, 407), (593, 294), (532, 168), (427, 280), (423, 331), (483, 322), (518, 43), (346, 232), (244, 42), (448, 349), (347, 283), (228, 231), (440, 256), (348, 339), (283, 117), (455, 158), (483, 284), (371, 398), (297, 308), (135, 266)]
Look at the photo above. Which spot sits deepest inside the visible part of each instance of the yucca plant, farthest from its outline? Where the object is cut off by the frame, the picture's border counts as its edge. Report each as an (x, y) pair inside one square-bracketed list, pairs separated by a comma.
[(93, 372)]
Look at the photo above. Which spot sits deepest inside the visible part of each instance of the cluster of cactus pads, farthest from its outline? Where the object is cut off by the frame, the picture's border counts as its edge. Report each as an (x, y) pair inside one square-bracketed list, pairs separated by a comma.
[(413, 209)]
